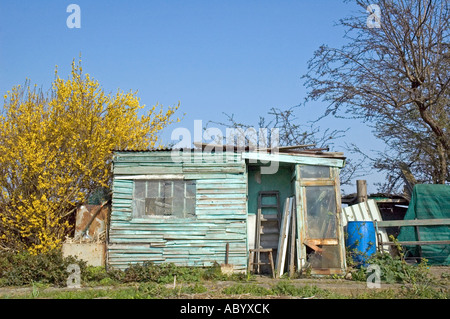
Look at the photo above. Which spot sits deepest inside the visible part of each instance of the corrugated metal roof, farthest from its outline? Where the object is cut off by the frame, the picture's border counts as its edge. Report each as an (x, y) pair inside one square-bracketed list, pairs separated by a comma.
[(287, 151)]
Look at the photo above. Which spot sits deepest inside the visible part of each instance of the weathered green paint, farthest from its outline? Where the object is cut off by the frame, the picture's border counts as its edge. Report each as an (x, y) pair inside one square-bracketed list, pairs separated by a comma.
[(257, 182), (221, 213)]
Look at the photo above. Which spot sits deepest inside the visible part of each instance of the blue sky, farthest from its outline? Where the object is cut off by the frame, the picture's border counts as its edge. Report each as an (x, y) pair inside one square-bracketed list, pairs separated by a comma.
[(238, 57)]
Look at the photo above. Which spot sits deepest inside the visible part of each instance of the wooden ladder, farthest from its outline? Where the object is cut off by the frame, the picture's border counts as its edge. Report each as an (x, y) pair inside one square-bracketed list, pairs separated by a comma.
[(263, 220)]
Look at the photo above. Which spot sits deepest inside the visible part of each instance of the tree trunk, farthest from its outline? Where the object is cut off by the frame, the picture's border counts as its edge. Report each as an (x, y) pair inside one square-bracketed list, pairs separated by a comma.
[(425, 115), (442, 176), (441, 143)]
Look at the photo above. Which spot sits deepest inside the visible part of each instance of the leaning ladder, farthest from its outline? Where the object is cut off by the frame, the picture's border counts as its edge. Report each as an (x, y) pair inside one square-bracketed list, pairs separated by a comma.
[(261, 218)]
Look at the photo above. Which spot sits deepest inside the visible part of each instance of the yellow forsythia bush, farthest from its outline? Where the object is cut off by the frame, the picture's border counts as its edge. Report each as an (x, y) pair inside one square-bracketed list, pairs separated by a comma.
[(55, 149)]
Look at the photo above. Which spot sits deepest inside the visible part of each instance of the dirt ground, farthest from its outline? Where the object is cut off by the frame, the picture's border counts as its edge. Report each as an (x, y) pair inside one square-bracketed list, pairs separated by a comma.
[(344, 287), (440, 271)]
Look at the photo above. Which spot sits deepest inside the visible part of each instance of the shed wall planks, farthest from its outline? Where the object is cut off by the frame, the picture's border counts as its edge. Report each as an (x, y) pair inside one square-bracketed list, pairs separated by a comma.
[(221, 213)]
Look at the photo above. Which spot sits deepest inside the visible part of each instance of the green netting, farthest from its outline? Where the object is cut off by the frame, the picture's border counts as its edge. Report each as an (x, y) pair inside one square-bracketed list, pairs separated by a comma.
[(429, 202)]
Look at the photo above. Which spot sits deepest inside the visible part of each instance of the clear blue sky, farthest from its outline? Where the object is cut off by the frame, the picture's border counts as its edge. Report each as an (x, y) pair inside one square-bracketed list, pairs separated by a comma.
[(241, 57)]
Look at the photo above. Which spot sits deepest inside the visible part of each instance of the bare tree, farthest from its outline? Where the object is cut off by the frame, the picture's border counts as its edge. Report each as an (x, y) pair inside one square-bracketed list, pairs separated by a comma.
[(395, 76), (291, 130)]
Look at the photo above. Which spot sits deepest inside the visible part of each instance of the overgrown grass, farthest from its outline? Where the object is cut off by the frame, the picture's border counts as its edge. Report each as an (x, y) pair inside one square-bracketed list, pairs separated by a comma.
[(23, 269), (19, 269), (281, 289), (152, 290), (147, 290), (416, 279)]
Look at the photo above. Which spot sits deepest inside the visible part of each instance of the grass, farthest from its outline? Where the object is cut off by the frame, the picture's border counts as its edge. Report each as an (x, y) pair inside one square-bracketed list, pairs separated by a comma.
[(210, 289), (281, 289), (149, 290), (150, 281)]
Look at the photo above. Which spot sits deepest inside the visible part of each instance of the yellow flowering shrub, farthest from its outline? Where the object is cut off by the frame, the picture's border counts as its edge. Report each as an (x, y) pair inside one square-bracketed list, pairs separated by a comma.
[(56, 148)]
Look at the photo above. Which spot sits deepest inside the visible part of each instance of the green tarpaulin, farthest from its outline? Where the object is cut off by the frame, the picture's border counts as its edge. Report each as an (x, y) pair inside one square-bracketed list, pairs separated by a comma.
[(428, 202)]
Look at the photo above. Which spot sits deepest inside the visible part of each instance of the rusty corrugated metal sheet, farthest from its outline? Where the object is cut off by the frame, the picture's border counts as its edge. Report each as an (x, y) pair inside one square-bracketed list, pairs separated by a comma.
[(91, 221)]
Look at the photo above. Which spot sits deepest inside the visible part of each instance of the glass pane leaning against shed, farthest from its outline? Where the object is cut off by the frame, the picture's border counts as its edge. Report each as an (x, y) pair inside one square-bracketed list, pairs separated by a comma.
[(329, 257), (321, 212)]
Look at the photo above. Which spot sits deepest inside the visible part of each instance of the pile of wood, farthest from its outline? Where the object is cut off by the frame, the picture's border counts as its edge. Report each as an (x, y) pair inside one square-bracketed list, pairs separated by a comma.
[(287, 241)]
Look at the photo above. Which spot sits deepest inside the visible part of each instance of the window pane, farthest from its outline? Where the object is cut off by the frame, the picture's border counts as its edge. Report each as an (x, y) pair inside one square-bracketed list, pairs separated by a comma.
[(190, 207), (330, 257), (153, 189), (309, 171), (139, 198), (321, 212), (164, 198), (190, 189), (138, 206), (178, 188), (178, 199), (164, 201), (139, 189), (167, 189), (150, 206)]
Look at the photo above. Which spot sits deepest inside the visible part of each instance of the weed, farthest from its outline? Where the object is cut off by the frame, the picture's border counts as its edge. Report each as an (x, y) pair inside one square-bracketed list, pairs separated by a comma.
[(284, 288), (148, 280), (191, 289), (152, 290), (396, 270), (416, 278), (251, 289), (95, 274), (18, 269), (35, 291)]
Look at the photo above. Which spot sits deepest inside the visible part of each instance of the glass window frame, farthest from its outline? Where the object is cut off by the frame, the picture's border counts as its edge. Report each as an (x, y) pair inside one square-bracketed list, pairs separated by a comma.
[(165, 200), (315, 182), (317, 246)]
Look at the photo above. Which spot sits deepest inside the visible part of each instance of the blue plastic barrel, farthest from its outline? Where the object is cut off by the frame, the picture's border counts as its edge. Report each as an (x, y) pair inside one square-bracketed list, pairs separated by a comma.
[(361, 241)]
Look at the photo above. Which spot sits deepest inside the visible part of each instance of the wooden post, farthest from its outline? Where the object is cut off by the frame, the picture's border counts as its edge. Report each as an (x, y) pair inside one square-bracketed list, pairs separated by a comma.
[(418, 238), (293, 235), (361, 191), (227, 252)]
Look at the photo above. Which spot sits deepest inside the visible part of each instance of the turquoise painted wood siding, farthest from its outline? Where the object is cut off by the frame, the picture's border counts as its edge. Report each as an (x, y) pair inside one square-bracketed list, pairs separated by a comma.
[(220, 215)]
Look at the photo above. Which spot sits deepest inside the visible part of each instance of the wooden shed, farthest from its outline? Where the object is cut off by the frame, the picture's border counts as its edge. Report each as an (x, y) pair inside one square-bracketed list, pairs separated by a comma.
[(197, 207)]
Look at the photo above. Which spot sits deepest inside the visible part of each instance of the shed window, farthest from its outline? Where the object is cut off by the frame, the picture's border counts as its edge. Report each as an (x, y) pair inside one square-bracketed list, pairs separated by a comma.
[(308, 171), (164, 198)]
